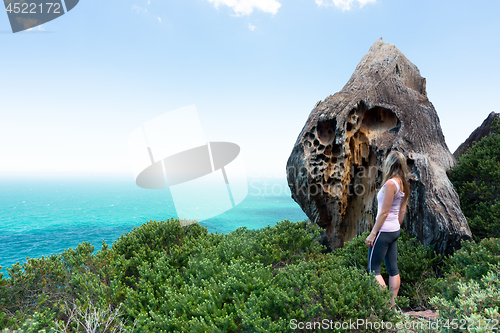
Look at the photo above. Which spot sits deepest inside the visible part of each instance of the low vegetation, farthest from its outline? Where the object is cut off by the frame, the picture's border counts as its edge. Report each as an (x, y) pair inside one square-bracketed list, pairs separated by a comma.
[(476, 178), (163, 277)]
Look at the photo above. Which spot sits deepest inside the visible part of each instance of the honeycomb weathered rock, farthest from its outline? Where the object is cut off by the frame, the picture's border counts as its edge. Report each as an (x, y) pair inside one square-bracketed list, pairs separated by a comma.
[(334, 170)]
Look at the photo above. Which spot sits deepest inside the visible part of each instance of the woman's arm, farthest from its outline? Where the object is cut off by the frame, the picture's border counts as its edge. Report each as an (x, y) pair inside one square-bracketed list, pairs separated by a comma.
[(402, 211), (389, 191)]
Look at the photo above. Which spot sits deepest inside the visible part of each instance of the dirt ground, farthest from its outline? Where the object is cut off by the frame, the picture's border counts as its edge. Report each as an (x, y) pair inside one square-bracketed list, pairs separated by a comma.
[(427, 314)]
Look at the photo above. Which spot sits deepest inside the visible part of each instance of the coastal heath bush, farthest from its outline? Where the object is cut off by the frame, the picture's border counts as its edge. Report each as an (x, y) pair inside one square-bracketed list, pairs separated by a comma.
[(475, 308), (474, 259), (287, 242), (419, 268), (31, 325), (243, 281), (165, 277), (43, 285), (470, 263), (221, 272), (312, 291), (36, 292), (145, 243), (476, 179)]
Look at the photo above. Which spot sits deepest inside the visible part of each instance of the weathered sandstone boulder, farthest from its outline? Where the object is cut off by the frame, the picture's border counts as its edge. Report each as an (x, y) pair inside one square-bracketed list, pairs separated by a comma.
[(334, 170), (477, 135)]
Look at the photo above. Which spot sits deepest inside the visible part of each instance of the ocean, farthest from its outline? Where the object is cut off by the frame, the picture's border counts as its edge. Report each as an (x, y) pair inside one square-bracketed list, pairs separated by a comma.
[(43, 215)]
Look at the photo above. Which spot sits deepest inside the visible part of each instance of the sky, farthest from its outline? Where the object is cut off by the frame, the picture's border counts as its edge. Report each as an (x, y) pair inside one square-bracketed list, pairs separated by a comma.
[(73, 90)]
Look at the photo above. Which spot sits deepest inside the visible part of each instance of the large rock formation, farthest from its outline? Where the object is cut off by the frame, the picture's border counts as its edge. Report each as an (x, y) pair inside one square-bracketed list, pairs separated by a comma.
[(334, 170), (477, 135)]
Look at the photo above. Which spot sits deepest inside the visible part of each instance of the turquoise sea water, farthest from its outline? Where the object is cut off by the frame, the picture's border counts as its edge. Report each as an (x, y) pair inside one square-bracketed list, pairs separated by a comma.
[(46, 215)]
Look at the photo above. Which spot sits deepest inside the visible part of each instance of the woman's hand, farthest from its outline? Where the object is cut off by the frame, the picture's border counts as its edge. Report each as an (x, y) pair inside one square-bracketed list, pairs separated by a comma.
[(370, 239)]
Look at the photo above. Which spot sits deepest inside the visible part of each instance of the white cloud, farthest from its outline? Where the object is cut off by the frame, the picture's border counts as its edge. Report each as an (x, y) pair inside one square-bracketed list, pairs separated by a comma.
[(139, 9), (343, 4), (40, 28), (159, 19), (251, 27), (245, 7)]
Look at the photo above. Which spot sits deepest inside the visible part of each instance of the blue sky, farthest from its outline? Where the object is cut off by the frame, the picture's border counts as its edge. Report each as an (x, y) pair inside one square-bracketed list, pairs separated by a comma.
[(74, 89)]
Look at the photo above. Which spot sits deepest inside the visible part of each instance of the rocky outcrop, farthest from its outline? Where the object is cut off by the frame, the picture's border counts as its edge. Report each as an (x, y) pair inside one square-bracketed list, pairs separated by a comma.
[(334, 170), (477, 135)]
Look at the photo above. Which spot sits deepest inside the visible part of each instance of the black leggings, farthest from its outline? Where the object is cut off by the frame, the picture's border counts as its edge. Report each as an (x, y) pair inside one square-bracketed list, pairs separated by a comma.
[(384, 248)]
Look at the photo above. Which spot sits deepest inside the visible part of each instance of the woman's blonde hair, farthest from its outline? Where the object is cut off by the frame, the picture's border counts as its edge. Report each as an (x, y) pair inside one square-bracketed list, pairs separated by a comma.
[(395, 166)]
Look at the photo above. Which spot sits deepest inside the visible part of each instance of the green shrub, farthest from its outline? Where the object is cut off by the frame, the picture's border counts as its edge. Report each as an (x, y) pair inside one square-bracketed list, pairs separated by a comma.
[(475, 308), (354, 253), (419, 268), (163, 276), (145, 243), (474, 260), (251, 280), (287, 242), (470, 263), (476, 178), (43, 285), (312, 291), (35, 324)]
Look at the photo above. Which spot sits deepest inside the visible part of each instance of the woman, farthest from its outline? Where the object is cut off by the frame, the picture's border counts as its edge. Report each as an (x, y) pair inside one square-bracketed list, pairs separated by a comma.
[(382, 241)]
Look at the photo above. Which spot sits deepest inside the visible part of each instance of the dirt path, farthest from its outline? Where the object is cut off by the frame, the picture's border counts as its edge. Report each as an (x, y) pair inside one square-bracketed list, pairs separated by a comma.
[(427, 314)]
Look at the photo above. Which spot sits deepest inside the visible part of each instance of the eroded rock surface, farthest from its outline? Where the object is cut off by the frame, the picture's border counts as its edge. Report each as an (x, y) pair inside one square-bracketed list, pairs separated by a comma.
[(334, 170), (477, 135)]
